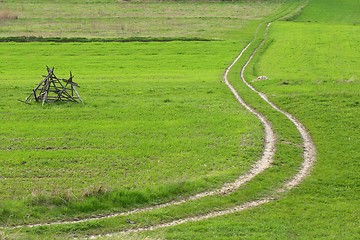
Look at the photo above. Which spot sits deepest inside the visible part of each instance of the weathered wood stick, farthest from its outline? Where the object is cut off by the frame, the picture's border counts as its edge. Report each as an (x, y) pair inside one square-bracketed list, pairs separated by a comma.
[(78, 95)]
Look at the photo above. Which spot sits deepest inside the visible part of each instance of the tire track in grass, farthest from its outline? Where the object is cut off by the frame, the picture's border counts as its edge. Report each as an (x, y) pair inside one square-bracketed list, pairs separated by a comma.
[(263, 163), (309, 156), (309, 148)]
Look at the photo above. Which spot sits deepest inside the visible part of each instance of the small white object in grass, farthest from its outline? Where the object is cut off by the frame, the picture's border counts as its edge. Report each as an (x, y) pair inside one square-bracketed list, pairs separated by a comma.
[(262, 78)]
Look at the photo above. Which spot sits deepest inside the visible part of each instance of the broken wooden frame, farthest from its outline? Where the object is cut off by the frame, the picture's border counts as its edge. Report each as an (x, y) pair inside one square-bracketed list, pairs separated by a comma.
[(51, 89)]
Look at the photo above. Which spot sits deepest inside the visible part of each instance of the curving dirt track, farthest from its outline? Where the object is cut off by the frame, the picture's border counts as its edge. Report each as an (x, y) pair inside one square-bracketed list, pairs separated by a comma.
[(309, 152), (263, 163), (309, 155)]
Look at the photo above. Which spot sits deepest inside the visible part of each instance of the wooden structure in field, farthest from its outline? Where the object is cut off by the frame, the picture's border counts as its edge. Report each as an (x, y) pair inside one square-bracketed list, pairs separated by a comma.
[(52, 89)]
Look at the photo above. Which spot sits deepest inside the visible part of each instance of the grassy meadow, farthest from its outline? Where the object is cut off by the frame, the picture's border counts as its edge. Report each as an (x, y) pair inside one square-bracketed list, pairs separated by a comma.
[(158, 124), (142, 130), (312, 64)]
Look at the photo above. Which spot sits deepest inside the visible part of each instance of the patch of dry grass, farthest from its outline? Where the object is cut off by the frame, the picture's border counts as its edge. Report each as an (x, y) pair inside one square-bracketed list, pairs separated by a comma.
[(7, 15), (133, 19)]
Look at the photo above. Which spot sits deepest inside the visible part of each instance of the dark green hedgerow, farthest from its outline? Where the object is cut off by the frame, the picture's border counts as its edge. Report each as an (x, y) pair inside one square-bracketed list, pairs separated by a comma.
[(87, 40)]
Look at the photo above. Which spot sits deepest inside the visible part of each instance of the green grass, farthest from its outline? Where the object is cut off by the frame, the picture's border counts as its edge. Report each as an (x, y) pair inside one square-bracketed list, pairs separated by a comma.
[(315, 77), (333, 12), (173, 132), (157, 123), (172, 120), (287, 159), (324, 62), (155, 105), (176, 130)]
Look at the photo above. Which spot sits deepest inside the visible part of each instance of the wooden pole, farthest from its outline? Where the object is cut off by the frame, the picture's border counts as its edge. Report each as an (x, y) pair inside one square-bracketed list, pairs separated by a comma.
[(77, 94)]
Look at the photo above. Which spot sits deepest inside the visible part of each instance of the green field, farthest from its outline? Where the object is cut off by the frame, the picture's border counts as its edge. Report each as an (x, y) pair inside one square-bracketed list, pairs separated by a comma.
[(312, 64), (140, 128), (159, 124), (155, 126)]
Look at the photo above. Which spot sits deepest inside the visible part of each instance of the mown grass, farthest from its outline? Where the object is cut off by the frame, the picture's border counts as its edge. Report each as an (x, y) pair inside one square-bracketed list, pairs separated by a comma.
[(153, 116), (117, 19), (287, 162), (66, 160), (317, 209), (333, 12), (313, 75)]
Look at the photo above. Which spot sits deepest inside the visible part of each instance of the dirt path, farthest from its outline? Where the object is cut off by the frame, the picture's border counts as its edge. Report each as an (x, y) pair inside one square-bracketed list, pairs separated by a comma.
[(309, 154), (309, 149), (263, 163)]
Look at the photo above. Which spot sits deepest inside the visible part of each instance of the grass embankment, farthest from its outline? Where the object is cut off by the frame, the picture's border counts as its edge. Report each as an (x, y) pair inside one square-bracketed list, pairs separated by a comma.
[(156, 124), (313, 68)]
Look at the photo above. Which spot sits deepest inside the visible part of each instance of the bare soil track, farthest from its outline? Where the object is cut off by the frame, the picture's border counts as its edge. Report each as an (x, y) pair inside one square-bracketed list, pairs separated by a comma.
[(263, 163), (309, 155)]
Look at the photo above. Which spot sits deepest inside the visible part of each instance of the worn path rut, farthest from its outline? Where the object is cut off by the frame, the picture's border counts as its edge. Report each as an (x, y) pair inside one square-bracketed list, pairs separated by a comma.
[(309, 155)]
